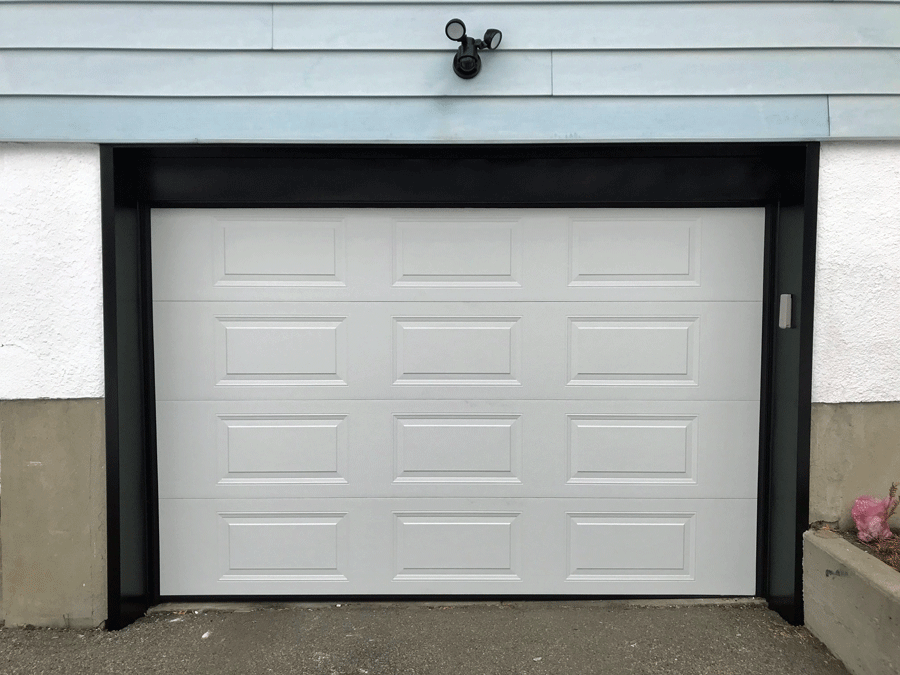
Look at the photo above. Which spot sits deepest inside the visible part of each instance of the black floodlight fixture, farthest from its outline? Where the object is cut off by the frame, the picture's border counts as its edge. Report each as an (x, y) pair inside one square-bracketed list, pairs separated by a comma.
[(467, 62)]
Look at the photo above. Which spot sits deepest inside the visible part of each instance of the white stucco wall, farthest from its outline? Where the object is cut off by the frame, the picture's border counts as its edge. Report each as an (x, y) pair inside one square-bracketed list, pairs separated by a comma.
[(51, 302), (856, 352)]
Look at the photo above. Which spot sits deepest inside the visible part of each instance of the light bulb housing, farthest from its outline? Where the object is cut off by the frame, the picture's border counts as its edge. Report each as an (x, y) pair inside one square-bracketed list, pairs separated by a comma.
[(492, 38), (455, 30)]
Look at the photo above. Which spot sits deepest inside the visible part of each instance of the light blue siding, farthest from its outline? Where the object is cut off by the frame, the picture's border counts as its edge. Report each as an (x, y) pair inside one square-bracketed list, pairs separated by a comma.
[(732, 72), (135, 26), (543, 26), (177, 73), (369, 71), (50, 72), (433, 2), (401, 2), (752, 25), (413, 120), (865, 116)]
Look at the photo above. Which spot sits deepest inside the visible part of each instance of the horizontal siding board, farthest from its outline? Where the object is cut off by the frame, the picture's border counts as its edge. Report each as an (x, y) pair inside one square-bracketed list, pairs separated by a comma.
[(875, 117), (86, 25), (175, 73), (430, 2), (598, 26), (737, 73), (135, 26), (684, 73), (415, 120)]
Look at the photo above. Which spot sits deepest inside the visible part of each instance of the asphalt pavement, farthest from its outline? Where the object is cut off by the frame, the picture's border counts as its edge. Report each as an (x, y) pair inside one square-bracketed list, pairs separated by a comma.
[(479, 638)]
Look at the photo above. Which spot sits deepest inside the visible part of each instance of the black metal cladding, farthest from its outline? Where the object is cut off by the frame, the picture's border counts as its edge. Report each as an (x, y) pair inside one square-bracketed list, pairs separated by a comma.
[(781, 177)]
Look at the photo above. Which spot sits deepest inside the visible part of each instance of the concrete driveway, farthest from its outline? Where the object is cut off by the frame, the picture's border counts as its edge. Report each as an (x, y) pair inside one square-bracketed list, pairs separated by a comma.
[(533, 637)]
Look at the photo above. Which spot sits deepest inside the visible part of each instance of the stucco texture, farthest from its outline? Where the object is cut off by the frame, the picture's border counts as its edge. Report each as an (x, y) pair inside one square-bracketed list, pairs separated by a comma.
[(51, 301), (856, 353)]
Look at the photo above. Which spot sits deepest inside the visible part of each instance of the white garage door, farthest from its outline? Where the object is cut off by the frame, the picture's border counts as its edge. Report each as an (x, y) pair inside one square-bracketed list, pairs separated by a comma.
[(457, 401)]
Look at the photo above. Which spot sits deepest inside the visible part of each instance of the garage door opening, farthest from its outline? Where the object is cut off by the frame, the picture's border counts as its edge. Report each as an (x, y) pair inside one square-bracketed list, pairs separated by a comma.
[(510, 370), (457, 401)]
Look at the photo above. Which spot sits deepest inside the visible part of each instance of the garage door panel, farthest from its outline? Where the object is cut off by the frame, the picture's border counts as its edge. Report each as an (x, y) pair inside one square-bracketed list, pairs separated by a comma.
[(306, 546), (441, 252), (280, 350), (457, 350), (457, 448), (638, 351), (457, 401), (457, 254), (442, 448), (610, 350), (447, 546)]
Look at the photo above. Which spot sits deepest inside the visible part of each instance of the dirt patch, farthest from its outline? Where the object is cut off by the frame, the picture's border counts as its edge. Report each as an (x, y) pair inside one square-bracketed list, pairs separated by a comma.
[(886, 550)]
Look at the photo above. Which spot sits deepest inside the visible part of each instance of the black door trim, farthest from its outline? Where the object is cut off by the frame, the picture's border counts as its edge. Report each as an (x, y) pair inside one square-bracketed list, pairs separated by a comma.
[(780, 177)]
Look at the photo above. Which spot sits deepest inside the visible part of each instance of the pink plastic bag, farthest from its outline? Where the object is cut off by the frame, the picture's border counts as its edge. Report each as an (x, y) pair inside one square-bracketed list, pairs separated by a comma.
[(870, 515)]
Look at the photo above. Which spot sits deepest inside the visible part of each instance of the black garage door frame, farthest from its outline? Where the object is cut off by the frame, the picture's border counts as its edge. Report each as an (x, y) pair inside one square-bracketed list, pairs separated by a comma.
[(783, 178)]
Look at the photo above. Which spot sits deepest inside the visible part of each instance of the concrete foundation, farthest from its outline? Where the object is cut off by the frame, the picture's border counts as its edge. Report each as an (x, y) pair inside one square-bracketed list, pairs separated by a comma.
[(54, 512), (852, 603), (855, 450)]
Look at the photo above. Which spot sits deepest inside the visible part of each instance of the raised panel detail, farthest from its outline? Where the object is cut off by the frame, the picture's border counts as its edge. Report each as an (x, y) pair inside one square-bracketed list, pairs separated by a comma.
[(292, 252), (455, 546), (634, 253), (633, 350), (632, 449), (281, 350), (457, 448), (457, 254), (282, 546), (450, 350), (630, 546), (282, 449)]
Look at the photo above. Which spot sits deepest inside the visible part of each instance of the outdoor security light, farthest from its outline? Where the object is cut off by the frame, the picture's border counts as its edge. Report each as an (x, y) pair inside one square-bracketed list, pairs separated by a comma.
[(467, 62)]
